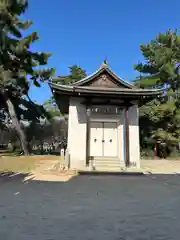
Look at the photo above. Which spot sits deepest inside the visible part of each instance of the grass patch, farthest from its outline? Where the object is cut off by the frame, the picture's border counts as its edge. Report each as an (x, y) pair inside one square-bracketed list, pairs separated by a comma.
[(23, 164)]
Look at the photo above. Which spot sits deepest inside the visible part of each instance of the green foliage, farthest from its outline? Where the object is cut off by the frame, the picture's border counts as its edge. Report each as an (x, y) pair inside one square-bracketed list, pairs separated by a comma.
[(51, 108), (76, 73), (162, 60), (19, 65), (164, 120), (160, 119), (147, 153)]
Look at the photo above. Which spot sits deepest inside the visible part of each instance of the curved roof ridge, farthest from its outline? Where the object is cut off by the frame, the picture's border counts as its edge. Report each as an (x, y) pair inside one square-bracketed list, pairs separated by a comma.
[(86, 78), (103, 67), (121, 79)]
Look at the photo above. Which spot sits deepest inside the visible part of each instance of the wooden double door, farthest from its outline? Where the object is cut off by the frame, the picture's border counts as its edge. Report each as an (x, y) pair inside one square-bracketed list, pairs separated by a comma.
[(103, 139)]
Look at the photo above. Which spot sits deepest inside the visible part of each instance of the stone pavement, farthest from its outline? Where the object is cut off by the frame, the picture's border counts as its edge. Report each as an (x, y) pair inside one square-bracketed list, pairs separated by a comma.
[(161, 166), (48, 170), (92, 208)]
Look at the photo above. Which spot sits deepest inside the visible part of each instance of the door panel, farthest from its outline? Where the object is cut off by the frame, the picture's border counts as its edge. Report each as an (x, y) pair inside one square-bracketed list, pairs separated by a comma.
[(96, 136), (110, 147)]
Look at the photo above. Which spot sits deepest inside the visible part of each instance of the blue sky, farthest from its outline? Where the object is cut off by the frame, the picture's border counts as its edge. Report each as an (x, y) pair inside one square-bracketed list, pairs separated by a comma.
[(84, 32)]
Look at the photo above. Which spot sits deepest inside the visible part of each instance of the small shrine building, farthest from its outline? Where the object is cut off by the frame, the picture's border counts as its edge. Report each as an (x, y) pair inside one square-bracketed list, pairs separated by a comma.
[(103, 122)]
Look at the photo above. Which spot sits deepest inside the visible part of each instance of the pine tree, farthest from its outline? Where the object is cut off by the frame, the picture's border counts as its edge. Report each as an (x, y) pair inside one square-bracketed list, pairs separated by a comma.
[(76, 73), (18, 64), (162, 61), (161, 69)]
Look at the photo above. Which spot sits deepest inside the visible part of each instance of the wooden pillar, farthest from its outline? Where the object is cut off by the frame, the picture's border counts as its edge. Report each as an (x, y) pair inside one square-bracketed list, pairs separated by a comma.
[(88, 112), (127, 160)]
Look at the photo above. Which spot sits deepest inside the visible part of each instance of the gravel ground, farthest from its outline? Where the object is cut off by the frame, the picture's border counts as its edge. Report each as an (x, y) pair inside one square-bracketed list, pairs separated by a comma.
[(91, 207)]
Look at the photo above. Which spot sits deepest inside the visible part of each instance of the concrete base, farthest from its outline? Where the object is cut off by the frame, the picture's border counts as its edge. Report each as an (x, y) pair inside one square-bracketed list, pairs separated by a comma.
[(110, 173)]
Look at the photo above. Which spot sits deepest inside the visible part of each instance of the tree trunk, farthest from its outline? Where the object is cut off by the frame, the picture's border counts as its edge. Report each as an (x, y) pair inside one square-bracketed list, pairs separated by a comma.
[(16, 124)]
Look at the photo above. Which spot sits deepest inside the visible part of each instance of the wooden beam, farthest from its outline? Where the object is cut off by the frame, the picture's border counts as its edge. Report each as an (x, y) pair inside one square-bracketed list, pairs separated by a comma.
[(105, 101), (127, 160), (87, 135)]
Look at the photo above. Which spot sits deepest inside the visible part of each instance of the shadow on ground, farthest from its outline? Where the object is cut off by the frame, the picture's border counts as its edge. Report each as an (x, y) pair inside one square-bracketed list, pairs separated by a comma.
[(107, 173), (8, 175)]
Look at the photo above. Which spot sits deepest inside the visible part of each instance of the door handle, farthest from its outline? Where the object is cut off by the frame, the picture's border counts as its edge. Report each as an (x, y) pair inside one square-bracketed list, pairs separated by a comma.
[(95, 140), (110, 140), (103, 140)]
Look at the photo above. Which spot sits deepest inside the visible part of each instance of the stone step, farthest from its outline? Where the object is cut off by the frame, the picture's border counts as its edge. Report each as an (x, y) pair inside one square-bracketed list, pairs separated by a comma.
[(115, 164), (105, 162), (107, 168), (106, 159)]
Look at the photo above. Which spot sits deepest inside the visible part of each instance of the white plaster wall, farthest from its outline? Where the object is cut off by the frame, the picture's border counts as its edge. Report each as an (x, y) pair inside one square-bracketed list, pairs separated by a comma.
[(121, 139), (77, 133), (134, 143)]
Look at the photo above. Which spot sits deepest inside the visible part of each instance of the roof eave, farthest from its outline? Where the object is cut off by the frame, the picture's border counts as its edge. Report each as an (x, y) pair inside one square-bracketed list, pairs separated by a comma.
[(73, 89)]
